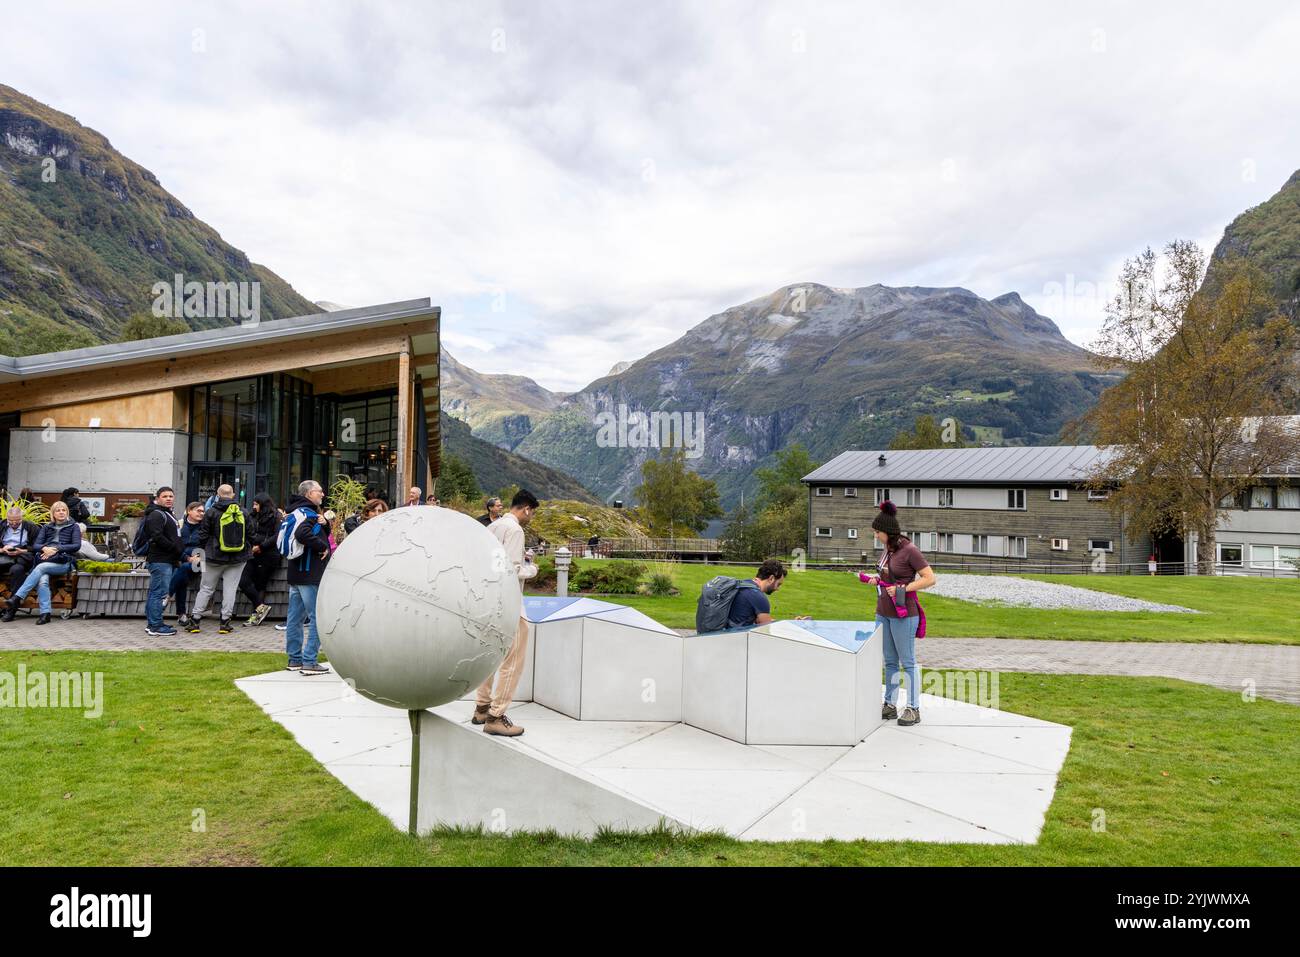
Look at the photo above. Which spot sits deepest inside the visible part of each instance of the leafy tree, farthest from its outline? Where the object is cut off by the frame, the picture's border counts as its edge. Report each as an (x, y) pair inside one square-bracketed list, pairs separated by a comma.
[(743, 538), (145, 325), (674, 498), (1196, 419), (929, 434), (782, 483), (456, 480), (784, 527)]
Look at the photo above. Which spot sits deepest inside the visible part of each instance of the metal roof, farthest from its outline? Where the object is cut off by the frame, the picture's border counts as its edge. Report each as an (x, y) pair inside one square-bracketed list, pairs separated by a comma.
[(209, 340), (1028, 464)]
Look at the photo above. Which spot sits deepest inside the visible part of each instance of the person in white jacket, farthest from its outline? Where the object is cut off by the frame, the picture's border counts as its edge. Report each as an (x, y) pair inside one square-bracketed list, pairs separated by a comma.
[(490, 705)]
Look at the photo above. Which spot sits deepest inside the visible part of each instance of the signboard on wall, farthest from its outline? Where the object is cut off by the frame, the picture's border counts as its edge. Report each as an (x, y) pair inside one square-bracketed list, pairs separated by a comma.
[(96, 503)]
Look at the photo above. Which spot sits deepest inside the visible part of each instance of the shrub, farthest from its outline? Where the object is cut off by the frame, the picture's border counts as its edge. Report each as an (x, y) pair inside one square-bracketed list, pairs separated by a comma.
[(102, 568), (545, 579), (661, 583), (615, 577), (129, 510)]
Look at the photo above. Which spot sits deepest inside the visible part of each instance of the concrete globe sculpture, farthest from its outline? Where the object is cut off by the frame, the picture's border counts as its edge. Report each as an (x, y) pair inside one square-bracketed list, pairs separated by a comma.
[(417, 607)]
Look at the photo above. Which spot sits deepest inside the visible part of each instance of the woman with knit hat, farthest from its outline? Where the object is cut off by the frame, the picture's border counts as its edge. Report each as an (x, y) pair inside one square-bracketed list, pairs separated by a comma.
[(903, 572)]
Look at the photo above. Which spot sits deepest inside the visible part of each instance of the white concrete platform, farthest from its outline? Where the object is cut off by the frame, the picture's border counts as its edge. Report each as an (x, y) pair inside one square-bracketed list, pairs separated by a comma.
[(966, 774)]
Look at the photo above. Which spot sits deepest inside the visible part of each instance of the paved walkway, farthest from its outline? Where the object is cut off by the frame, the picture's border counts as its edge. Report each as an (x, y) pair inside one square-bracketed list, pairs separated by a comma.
[(1274, 669)]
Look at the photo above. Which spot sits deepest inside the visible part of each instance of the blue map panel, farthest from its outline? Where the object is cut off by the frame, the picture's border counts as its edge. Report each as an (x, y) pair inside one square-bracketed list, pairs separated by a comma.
[(537, 609), (850, 635)]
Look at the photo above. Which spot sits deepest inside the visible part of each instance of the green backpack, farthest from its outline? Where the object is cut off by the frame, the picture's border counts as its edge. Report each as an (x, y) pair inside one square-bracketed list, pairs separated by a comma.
[(230, 534)]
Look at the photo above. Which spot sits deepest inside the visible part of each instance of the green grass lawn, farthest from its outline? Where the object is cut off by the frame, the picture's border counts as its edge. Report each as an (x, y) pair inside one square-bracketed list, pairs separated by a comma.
[(1260, 610), (1184, 774)]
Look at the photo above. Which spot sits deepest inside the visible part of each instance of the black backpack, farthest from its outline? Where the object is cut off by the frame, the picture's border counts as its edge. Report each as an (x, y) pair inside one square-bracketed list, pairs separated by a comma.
[(713, 610), (140, 544)]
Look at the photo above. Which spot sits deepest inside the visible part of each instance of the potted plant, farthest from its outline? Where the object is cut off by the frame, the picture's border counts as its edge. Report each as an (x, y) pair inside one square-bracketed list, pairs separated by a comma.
[(128, 516)]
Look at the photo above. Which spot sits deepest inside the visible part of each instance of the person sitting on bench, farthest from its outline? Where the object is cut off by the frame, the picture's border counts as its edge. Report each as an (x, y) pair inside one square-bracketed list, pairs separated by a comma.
[(56, 550), (17, 548)]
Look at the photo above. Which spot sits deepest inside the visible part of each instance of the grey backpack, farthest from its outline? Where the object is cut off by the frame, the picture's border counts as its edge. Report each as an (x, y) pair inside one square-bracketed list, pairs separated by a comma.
[(714, 607)]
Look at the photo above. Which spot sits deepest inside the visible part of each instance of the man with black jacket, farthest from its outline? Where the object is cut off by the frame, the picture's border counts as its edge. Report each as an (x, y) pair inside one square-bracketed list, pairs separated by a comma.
[(310, 531), (17, 556), (164, 537), (224, 538)]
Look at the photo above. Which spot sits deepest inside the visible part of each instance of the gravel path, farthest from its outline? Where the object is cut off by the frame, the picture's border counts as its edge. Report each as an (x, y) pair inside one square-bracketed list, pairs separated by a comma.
[(1009, 590)]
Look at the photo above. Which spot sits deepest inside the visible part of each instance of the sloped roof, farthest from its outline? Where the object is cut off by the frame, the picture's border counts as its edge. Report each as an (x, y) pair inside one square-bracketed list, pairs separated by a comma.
[(1029, 464), (235, 336)]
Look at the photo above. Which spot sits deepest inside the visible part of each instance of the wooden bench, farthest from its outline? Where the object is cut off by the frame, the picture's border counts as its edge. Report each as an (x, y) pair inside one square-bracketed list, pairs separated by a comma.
[(63, 595)]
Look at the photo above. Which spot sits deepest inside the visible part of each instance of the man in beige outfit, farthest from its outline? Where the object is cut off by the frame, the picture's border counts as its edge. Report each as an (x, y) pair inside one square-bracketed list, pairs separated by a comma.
[(490, 708)]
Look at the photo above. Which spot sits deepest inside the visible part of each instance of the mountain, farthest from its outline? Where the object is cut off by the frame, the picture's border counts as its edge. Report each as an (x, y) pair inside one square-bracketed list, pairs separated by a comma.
[(499, 408), (86, 232), (495, 468), (1268, 235), (833, 369)]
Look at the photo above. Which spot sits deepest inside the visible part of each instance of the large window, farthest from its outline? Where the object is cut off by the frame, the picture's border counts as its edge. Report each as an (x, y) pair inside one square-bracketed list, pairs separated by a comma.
[(881, 495), (1016, 498), (1261, 496), (1288, 496), (1276, 557), (913, 496), (1230, 554), (1017, 546), (945, 498)]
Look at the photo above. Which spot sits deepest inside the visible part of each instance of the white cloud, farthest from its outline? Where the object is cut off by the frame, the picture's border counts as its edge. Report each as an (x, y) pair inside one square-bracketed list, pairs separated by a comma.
[(585, 183)]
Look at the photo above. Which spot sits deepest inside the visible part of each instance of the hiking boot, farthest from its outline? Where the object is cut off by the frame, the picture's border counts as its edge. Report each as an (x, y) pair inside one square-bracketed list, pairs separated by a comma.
[(44, 619), (259, 614), (225, 627), (316, 669), (9, 614), (480, 715), (888, 712), (182, 621), (500, 724), (192, 626), (909, 717)]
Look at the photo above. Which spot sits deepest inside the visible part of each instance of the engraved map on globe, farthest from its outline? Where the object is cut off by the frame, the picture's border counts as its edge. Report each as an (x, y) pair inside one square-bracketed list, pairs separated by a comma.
[(418, 606)]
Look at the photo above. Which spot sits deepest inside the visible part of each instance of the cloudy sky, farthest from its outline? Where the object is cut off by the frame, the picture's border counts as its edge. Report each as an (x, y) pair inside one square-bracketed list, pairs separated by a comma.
[(579, 183)]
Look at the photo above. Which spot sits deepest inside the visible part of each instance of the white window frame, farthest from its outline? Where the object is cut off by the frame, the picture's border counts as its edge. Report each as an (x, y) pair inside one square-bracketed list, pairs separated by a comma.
[(976, 541), (946, 493), (850, 491), (880, 498), (1094, 547), (853, 533), (1060, 495), (1241, 554), (1060, 544), (1098, 494), (1011, 552), (913, 497), (1014, 495), (823, 531), (823, 491), (944, 543)]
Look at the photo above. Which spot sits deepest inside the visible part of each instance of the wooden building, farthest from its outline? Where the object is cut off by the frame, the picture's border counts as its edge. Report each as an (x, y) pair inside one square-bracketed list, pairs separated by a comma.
[(259, 406)]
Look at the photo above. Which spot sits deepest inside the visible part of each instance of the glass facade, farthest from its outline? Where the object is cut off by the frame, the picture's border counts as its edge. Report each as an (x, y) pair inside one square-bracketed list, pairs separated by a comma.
[(267, 433)]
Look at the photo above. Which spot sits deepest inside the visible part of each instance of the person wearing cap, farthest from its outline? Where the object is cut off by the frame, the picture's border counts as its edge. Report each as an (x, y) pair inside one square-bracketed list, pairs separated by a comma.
[(901, 566)]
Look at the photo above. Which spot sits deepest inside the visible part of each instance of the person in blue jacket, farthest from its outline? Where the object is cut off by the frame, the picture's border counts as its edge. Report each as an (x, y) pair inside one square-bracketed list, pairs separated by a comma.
[(56, 549)]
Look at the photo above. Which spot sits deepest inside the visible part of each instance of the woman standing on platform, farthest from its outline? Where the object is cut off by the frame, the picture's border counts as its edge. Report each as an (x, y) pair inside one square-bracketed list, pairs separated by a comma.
[(903, 571)]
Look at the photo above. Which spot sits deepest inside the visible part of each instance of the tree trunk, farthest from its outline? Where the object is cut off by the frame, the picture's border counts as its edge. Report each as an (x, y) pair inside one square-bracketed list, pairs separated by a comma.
[(1205, 548)]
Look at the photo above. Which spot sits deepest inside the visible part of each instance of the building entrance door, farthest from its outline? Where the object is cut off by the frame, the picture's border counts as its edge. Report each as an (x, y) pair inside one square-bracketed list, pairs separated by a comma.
[(207, 477)]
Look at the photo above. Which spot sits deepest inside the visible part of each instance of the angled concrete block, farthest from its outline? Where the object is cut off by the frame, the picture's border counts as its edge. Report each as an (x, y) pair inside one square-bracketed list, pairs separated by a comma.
[(468, 778), (598, 661), (786, 683)]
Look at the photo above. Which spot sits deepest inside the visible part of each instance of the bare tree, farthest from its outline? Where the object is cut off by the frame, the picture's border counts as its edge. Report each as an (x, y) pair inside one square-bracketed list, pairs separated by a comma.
[(1200, 413)]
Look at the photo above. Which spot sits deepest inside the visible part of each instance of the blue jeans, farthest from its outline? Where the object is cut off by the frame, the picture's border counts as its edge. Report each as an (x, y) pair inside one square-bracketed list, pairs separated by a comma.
[(39, 578), (899, 646), (160, 579), (302, 603)]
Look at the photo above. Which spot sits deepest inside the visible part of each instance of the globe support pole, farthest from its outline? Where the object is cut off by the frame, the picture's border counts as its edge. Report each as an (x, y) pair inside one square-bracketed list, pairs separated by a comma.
[(414, 717)]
